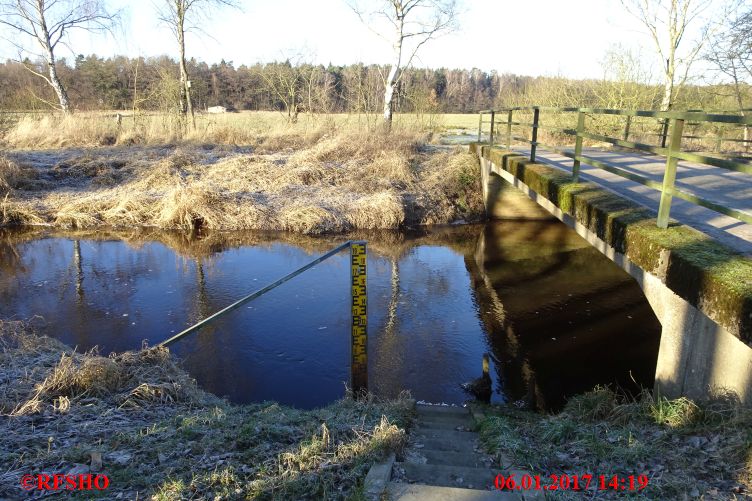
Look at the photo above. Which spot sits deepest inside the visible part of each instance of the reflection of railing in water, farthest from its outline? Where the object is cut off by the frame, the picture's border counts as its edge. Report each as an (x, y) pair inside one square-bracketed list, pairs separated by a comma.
[(359, 360)]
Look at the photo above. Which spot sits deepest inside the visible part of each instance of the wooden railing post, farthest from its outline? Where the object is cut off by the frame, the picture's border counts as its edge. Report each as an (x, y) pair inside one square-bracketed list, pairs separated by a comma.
[(493, 123), (669, 176), (627, 126), (664, 132), (509, 130), (578, 146), (480, 125), (533, 143)]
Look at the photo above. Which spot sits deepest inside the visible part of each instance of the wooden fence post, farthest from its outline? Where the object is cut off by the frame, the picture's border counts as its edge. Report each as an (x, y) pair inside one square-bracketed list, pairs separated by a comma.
[(493, 123), (664, 132), (509, 130), (627, 126), (669, 176), (578, 146), (480, 125), (533, 143)]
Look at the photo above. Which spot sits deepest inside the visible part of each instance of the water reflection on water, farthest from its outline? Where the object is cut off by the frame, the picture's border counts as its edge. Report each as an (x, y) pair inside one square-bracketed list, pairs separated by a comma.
[(557, 316)]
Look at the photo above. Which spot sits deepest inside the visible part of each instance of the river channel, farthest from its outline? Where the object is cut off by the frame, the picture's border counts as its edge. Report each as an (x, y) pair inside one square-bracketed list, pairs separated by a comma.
[(556, 316)]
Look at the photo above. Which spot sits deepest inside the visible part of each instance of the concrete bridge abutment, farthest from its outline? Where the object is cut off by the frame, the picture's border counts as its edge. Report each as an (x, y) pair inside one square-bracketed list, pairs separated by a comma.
[(698, 356)]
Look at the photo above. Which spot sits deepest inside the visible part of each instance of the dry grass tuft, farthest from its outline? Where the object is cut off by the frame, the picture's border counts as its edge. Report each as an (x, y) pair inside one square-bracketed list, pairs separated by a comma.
[(60, 376), (15, 177), (10, 173)]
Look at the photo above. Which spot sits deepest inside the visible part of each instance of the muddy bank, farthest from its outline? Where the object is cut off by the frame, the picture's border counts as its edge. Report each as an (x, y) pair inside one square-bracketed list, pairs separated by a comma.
[(325, 182)]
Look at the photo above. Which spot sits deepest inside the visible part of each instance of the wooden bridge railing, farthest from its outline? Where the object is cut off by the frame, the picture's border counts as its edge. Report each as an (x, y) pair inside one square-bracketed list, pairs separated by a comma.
[(672, 128)]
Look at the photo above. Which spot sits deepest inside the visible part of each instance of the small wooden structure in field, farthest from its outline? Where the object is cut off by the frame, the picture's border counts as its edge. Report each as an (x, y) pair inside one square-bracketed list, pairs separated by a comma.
[(216, 109)]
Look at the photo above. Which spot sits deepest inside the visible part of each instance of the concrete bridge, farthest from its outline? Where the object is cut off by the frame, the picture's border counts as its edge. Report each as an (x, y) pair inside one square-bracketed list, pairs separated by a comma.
[(695, 271)]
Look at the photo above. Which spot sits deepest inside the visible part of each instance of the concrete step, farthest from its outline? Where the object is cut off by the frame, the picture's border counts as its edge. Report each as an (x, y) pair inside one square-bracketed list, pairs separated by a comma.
[(417, 492), (440, 410), (434, 456), (439, 444), (443, 425), (446, 421), (420, 433), (449, 476)]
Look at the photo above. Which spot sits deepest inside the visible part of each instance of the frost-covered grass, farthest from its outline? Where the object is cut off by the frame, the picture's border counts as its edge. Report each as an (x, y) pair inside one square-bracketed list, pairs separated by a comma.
[(688, 450), (139, 419)]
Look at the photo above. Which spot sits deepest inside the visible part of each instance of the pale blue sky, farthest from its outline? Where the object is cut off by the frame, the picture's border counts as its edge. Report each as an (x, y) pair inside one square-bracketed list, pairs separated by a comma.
[(533, 37)]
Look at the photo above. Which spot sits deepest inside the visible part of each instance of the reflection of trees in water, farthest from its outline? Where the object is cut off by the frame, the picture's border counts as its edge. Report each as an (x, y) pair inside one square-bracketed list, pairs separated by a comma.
[(387, 342), (204, 244), (409, 339), (95, 266), (208, 344), (10, 259), (78, 264)]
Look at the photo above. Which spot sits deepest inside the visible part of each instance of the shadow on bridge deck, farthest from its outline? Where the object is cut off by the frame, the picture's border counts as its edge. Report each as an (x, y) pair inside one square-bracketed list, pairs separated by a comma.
[(732, 189)]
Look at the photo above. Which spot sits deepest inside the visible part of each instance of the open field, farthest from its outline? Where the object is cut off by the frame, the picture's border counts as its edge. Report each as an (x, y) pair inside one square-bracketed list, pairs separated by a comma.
[(310, 177), (90, 129)]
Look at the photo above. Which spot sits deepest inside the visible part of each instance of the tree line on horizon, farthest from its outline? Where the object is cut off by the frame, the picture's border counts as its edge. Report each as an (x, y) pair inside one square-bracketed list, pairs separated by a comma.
[(123, 83), (42, 78)]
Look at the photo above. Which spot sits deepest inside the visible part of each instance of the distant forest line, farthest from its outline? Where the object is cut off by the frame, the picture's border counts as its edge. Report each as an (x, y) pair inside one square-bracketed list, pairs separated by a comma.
[(123, 83)]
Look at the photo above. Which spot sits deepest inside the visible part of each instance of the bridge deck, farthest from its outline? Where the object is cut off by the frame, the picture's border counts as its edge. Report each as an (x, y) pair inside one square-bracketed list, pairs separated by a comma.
[(732, 189)]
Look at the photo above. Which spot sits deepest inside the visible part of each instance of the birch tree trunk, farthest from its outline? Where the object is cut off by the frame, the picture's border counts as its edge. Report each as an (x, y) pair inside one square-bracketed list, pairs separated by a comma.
[(391, 79), (48, 23), (186, 106), (46, 42), (389, 96), (668, 89), (426, 20), (56, 84)]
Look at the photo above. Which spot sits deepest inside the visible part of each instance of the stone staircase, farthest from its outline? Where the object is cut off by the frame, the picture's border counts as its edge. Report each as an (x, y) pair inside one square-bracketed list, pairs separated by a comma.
[(442, 462)]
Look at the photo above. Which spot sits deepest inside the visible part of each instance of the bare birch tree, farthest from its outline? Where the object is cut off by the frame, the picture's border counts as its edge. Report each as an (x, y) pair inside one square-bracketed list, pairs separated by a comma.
[(412, 24), (47, 23), (182, 16), (667, 22), (731, 54)]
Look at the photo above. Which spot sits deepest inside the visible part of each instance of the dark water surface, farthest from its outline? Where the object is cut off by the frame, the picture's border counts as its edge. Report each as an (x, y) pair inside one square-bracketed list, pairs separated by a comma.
[(557, 316)]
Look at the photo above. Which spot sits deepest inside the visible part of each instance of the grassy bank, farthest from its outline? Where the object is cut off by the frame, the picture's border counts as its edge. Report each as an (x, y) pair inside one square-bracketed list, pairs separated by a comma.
[(687, 450), (325, 179), (139, 419)]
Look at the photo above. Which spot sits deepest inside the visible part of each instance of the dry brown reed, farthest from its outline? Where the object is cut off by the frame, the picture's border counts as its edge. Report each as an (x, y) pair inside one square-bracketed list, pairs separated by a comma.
[(316, 181), (262, 129)]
